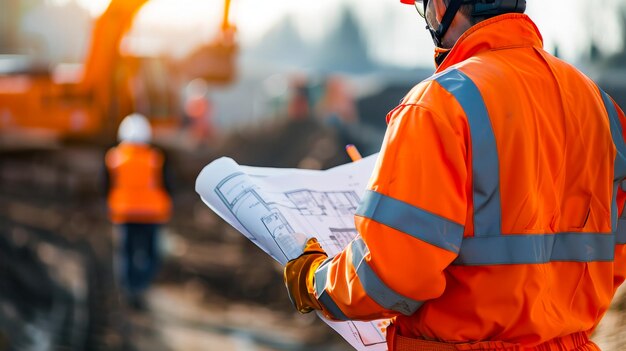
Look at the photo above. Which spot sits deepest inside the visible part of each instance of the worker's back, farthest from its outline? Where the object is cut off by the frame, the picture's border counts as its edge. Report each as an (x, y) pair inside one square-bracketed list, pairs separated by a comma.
[(137, 192), (536, 261)]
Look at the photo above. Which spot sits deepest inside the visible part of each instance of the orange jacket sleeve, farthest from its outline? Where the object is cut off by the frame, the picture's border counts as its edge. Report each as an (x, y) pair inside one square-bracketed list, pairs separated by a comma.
[(410, 221)]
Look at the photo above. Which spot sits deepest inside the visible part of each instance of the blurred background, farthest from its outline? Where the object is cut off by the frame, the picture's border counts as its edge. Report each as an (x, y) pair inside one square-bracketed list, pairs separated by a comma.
[(268, 83)]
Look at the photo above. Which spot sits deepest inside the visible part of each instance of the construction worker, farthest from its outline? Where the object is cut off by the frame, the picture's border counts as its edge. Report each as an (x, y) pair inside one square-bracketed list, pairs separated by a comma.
[(199, 109), (138, 205), (492, 218)]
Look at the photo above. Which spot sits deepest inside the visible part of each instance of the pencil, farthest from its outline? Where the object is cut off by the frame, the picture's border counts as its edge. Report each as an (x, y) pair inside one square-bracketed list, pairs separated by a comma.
[(353, 152)]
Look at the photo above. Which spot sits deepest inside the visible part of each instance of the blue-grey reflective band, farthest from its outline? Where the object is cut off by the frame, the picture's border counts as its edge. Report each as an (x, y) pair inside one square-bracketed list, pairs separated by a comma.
[(618, 138), (375, 288), (321, 275), (620, 154), (614, 209), (620, 235), (411, 220), (485, 164), (538, 248)]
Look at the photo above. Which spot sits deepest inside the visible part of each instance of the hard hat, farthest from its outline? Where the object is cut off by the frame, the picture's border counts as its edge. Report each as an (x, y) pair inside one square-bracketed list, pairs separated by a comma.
[(135, 128)]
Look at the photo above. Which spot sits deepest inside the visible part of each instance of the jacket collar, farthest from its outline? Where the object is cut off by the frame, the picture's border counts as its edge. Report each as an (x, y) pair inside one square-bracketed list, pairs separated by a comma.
[(504, 31)]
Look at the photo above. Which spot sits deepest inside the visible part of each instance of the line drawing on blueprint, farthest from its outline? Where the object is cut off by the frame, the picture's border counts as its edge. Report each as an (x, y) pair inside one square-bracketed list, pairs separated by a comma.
[(237, 194), (340, 237), (335, 208), (305, 206), (277, 226), (324, 203)]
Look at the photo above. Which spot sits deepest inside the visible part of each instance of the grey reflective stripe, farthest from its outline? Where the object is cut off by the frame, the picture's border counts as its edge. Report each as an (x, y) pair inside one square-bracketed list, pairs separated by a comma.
[(620, 155), (375, 288), (614, 209), (411, 220), (537, 248), (620, 235), (485, 163), (618, 138), (321, 275)]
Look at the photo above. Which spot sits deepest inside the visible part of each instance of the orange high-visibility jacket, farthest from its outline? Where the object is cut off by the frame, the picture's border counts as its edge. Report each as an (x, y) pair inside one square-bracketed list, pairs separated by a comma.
[(137, 194), (493, 210)]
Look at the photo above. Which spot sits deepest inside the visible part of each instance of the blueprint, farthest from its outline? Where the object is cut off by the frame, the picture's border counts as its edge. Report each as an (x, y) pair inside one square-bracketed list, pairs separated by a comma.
[(279, 209)]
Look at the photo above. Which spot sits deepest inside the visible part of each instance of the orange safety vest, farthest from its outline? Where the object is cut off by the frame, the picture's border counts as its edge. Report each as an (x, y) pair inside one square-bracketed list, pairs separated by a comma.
[(492, 212), (137, 194)]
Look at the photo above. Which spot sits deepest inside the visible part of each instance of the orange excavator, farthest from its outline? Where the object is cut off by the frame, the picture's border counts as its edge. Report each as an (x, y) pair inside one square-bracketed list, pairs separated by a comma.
[(105, 89)]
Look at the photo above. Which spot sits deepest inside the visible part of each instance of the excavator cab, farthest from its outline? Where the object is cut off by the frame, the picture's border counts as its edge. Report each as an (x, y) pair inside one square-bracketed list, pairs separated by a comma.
[(87, 101)]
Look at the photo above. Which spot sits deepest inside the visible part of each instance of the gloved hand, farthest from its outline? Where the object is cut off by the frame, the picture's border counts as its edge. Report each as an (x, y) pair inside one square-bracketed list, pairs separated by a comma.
[(299, 274)]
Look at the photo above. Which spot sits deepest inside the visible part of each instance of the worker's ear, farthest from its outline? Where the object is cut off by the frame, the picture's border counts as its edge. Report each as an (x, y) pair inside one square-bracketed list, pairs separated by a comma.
[(439, 7)]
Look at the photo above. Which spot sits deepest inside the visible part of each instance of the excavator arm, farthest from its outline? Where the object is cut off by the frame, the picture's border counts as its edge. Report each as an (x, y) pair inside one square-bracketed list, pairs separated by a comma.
[(213, 62), (108, 31)]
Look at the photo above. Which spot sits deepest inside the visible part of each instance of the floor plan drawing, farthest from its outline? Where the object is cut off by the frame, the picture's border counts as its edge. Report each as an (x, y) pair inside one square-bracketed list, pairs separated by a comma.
[(279, 229), (330, 203), (342, 236), (276, 211), (242, 198)]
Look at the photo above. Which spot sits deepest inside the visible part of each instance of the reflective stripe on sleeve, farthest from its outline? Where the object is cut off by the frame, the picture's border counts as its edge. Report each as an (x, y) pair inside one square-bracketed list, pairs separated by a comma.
[(411, 220), (321, 276), (375, 288), (485, 163), (537, 248)]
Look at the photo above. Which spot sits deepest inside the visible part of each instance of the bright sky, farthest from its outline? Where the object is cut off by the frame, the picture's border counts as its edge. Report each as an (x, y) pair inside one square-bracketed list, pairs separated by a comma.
[(395, 31)]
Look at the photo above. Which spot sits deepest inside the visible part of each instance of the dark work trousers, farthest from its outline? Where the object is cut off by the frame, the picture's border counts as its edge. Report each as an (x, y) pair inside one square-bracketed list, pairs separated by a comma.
[(137, 257)]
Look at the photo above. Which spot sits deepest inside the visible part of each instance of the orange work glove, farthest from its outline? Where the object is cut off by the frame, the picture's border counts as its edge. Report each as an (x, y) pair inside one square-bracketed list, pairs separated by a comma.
[(299, 274)]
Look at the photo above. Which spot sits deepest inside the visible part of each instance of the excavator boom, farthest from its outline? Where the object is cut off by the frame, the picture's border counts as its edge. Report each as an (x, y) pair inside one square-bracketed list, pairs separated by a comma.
[(108, 31)]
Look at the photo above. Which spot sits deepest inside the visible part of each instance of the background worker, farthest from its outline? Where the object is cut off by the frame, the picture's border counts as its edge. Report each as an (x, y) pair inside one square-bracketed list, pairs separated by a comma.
[(138, 204), (491, 218)]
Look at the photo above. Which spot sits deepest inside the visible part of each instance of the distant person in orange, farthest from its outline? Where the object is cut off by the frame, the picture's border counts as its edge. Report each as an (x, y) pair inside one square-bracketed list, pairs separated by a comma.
[(337, 104), (494, 217), (199, 109), (138, 205)]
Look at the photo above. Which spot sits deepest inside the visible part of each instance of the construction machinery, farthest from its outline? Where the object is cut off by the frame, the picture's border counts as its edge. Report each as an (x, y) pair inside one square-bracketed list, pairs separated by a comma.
[(87, 101)]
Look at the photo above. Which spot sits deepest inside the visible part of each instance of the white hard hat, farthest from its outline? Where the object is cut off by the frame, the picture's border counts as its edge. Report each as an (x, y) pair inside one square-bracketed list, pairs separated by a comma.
[(135, 128)]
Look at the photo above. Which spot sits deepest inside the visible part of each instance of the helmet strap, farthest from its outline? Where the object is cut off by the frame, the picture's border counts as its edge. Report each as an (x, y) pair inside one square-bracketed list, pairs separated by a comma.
[(446, 22)]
